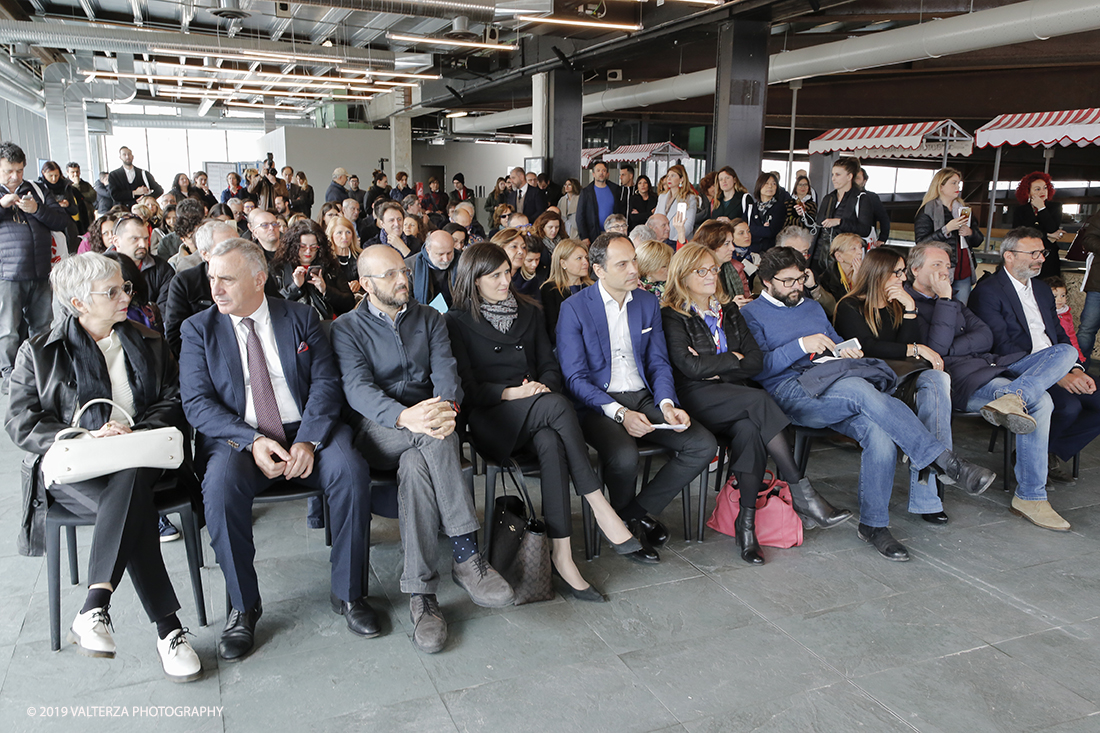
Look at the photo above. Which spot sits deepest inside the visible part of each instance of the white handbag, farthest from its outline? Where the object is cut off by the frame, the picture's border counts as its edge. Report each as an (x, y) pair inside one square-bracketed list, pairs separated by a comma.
[(77, 456)]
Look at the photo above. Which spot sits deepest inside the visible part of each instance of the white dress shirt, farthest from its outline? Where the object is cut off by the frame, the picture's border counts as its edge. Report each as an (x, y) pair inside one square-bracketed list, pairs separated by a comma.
[(288, 410), (1039, 338), (624, 369), (120, 380), (131, 173)]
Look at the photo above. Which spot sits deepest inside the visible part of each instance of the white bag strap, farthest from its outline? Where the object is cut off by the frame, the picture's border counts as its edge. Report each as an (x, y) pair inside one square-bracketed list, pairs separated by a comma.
[(89, 403), (37, 190)]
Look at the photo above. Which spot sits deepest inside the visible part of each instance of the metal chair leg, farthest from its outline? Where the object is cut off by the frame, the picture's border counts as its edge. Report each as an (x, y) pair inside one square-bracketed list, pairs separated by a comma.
[(70, 541), (1077, 465), (189, 525), (491, 472), (53, 572), (1010, 446)]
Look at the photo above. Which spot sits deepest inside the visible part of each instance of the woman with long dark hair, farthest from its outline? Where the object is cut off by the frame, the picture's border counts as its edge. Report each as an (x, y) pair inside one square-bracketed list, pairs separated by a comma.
[(514, 401), (883, 316), (68, 199), (767, 214), (302, 202), (306, 271), (642, 202), (801, 207), (840, 211)]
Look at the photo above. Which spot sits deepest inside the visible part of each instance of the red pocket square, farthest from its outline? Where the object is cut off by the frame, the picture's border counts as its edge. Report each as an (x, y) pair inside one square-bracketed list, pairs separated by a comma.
[(303, 347)]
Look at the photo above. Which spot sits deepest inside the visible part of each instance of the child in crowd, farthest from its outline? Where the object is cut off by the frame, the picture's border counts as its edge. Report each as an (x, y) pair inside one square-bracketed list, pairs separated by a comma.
[(1061, 303)]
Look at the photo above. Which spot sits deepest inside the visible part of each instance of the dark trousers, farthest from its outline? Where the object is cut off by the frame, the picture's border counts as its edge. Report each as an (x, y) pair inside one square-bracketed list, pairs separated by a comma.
[(693, 450), (125, 536), (552, 430), (1074, 422), (232, 480)]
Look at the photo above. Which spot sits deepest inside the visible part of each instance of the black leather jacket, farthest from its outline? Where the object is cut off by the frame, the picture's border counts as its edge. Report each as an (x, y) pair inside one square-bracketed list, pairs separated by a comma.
[(44, 399)]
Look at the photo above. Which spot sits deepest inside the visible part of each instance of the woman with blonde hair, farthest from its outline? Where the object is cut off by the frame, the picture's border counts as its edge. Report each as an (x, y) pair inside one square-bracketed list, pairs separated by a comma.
[(713, 354), (845, 255), (568, 275), (944, 217), (678, 191), (345, 245), (653, 258)]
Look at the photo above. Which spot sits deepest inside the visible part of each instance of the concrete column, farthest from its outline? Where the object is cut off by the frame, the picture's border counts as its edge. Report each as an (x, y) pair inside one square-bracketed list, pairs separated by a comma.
[(540, 110), (566, 123), (400, 146), (740, 98)]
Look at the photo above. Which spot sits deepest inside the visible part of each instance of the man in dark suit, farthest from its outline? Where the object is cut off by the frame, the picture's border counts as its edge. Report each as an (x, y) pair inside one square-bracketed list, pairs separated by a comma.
[(611, 346), (1019, 309), (599, 200), (264, 395), (129, 183), (336, 191), (524, 198)]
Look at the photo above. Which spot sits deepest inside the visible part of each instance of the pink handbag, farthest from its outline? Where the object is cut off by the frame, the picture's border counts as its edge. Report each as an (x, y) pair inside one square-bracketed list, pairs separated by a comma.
[(777, 525)]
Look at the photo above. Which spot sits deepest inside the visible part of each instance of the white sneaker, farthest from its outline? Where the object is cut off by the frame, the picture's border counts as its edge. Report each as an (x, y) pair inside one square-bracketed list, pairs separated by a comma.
[(179, 660), (91, 633)]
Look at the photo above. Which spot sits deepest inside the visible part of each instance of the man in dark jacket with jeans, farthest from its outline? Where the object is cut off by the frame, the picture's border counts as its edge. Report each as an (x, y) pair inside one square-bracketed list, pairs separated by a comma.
[(402, 381), (598, 200), (28, 214)]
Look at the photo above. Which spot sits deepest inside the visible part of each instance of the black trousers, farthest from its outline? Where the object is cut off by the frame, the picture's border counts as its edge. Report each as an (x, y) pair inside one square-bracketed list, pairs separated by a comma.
[(746, 417), (125, 536), (232, 480), (1074, 423), (693, 449), (552, 430)]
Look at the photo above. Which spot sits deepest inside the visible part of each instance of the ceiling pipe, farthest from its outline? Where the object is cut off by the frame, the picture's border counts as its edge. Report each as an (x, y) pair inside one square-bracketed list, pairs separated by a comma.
[(19, 74), (18, 95), (481, 11), (1017, 23)]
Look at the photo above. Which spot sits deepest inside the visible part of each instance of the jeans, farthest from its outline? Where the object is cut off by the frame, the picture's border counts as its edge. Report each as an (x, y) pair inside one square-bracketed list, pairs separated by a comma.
[(1090, 324), (1030, 377), (960, 290), (933, 400), (881, 425), (25, 311)]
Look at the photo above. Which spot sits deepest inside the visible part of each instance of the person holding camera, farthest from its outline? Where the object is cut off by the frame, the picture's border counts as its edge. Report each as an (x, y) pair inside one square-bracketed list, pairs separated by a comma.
[(266, 186), (307, 271)]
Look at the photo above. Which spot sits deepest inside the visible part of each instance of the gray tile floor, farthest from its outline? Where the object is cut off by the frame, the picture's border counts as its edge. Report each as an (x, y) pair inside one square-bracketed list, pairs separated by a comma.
[(993, 626)]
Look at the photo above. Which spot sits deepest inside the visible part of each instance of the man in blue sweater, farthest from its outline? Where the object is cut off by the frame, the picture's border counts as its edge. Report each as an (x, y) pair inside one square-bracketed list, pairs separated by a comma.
[(792, 331)]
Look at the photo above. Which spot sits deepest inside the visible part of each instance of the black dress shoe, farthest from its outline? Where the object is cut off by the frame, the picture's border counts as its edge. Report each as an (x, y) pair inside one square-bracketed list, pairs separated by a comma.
[(589, 594), (935, 518), (655, 531), (362, 619), (239, 634), (884, 542), (647, 554)]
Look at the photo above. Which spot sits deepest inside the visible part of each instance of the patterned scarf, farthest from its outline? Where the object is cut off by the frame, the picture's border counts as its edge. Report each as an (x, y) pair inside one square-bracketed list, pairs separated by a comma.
[(501, 315), (712, 316)]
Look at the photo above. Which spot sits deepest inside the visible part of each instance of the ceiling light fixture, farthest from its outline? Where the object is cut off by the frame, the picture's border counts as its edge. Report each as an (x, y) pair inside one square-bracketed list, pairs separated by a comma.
[(392, 74), (259, 105), (449, 42), (336, 84), (273, 57), (455, 115), (580, 23)]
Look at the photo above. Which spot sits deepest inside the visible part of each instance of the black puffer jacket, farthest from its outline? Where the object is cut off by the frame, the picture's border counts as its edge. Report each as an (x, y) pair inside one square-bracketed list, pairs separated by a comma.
[(25, 238)]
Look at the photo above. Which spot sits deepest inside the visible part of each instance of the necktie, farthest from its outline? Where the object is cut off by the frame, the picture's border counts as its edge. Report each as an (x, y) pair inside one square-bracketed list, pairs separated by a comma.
[(268, 421), (519, 202)]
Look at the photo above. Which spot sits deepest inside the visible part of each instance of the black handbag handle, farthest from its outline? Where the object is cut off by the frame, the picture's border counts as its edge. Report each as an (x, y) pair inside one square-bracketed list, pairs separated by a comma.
[(521, 485)]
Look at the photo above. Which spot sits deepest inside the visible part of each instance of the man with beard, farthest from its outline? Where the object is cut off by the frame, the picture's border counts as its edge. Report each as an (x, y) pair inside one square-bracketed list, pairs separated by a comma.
[(402, 381), (132, 240)]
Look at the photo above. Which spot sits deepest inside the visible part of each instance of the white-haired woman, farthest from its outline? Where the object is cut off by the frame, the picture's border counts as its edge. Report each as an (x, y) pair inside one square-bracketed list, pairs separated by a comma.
[(94, 352)]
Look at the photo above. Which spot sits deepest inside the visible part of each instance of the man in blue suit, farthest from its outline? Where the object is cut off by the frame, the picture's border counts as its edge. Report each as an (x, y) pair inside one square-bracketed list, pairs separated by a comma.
[(264, 394), (611, 346), (1019, 309)]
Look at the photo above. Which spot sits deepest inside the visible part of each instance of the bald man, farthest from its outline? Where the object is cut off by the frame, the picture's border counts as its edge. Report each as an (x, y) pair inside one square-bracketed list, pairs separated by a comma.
[(402, 382), (433, 270)]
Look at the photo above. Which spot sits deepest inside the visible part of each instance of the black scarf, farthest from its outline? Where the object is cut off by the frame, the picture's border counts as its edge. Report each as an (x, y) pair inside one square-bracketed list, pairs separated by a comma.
[(94, 382)]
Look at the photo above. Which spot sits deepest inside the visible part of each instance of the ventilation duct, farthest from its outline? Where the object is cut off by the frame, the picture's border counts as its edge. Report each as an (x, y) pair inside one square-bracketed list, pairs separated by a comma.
[(481, 11), (230, 10), (24, 98), (1017, 23), (66, 119)]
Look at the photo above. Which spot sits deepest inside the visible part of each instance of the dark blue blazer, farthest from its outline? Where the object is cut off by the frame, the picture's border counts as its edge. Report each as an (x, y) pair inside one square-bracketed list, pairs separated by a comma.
[(533, 204), (213, 391), (589, 225), (995, 301), (584, 347)]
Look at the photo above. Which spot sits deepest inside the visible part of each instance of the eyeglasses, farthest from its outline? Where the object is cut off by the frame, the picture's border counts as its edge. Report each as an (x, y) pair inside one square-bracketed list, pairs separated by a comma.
[(309, 248), (900, 272), (391, 274), (789, 281), (704, 271), (1034, 254), (115, 291), (268, 225)]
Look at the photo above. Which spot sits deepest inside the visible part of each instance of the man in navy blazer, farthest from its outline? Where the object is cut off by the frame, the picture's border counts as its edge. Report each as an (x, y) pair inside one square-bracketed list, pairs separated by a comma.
[(590, 216), (263, 392), (1019, 309), (611, 346), (524, 198)]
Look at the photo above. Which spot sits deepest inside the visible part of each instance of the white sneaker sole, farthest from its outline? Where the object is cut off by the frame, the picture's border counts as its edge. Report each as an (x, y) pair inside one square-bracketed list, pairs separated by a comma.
[(74, 639)]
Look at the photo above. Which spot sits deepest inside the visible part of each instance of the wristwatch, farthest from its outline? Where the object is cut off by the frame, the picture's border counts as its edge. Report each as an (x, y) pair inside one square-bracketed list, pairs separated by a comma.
[(620, 415)]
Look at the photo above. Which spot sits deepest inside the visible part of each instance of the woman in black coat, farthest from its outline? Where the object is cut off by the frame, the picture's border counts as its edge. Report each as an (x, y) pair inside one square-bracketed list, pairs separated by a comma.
[(943, 217), (1036, 209), (713, 354), (306, 271), (66, 198), (841, 210), (514, 402)]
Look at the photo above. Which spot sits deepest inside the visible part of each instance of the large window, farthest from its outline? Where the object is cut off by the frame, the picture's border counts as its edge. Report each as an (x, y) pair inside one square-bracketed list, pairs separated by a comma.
[(166, 152)]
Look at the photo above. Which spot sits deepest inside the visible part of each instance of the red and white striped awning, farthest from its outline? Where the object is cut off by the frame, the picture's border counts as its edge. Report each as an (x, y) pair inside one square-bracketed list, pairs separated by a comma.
[(651, 151), (912, 140), (590, 155), (1069, 127)]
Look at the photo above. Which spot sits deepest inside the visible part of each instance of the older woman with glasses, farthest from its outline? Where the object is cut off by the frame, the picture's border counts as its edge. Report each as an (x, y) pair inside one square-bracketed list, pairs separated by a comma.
[(713, 356), (94, 352), (307, 271)]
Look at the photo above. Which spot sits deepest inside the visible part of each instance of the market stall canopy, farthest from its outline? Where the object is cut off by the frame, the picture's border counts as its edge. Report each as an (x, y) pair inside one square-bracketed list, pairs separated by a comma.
[(912, 140), (640, 153), (591, 155), (1069, 127)]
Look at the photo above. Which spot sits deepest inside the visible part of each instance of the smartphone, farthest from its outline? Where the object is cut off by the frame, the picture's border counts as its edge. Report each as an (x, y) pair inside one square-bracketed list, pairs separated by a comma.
[(315, 271), (27, 196), (682, 207), (965, 211), (849, 344)]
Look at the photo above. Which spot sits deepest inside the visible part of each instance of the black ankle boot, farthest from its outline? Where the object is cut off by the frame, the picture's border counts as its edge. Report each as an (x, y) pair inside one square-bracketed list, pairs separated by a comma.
[(745, 525), (812, 508)]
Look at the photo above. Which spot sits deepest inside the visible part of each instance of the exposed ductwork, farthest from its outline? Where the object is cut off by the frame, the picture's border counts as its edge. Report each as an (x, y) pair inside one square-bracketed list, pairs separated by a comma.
[(1016, 23), (141, 40), (16, 73), (203, 123), (481, 11), (24, 98), (66, 93)]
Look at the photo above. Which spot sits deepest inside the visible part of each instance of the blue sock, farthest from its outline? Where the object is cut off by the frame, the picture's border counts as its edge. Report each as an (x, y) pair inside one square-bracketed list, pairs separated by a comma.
[(464, 546)]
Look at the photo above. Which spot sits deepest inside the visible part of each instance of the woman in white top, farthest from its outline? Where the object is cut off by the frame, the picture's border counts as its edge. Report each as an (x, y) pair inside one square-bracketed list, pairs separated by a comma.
[(678, 191), (567, 205)]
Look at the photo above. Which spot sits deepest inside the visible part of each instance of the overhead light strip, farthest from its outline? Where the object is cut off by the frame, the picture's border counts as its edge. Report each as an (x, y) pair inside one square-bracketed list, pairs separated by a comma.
[(449, 42), (257, 56), (580, 23), (337, 84)]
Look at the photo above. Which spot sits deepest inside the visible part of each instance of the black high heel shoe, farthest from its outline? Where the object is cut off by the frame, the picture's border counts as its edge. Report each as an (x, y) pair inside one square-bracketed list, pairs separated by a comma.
[(589, 594), (634, 548)]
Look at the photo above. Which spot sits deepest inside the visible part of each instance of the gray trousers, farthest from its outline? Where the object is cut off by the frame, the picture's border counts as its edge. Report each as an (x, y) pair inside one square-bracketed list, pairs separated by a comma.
[(24, 311), (431, 494)]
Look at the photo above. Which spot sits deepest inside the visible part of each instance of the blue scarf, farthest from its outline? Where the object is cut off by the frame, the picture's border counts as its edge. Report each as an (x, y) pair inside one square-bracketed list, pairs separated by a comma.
[(712, 316), (422, 278)]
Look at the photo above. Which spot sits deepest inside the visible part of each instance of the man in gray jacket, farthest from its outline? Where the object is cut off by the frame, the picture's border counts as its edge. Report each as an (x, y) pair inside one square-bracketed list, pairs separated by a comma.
[(401, 379), (28, 215)]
